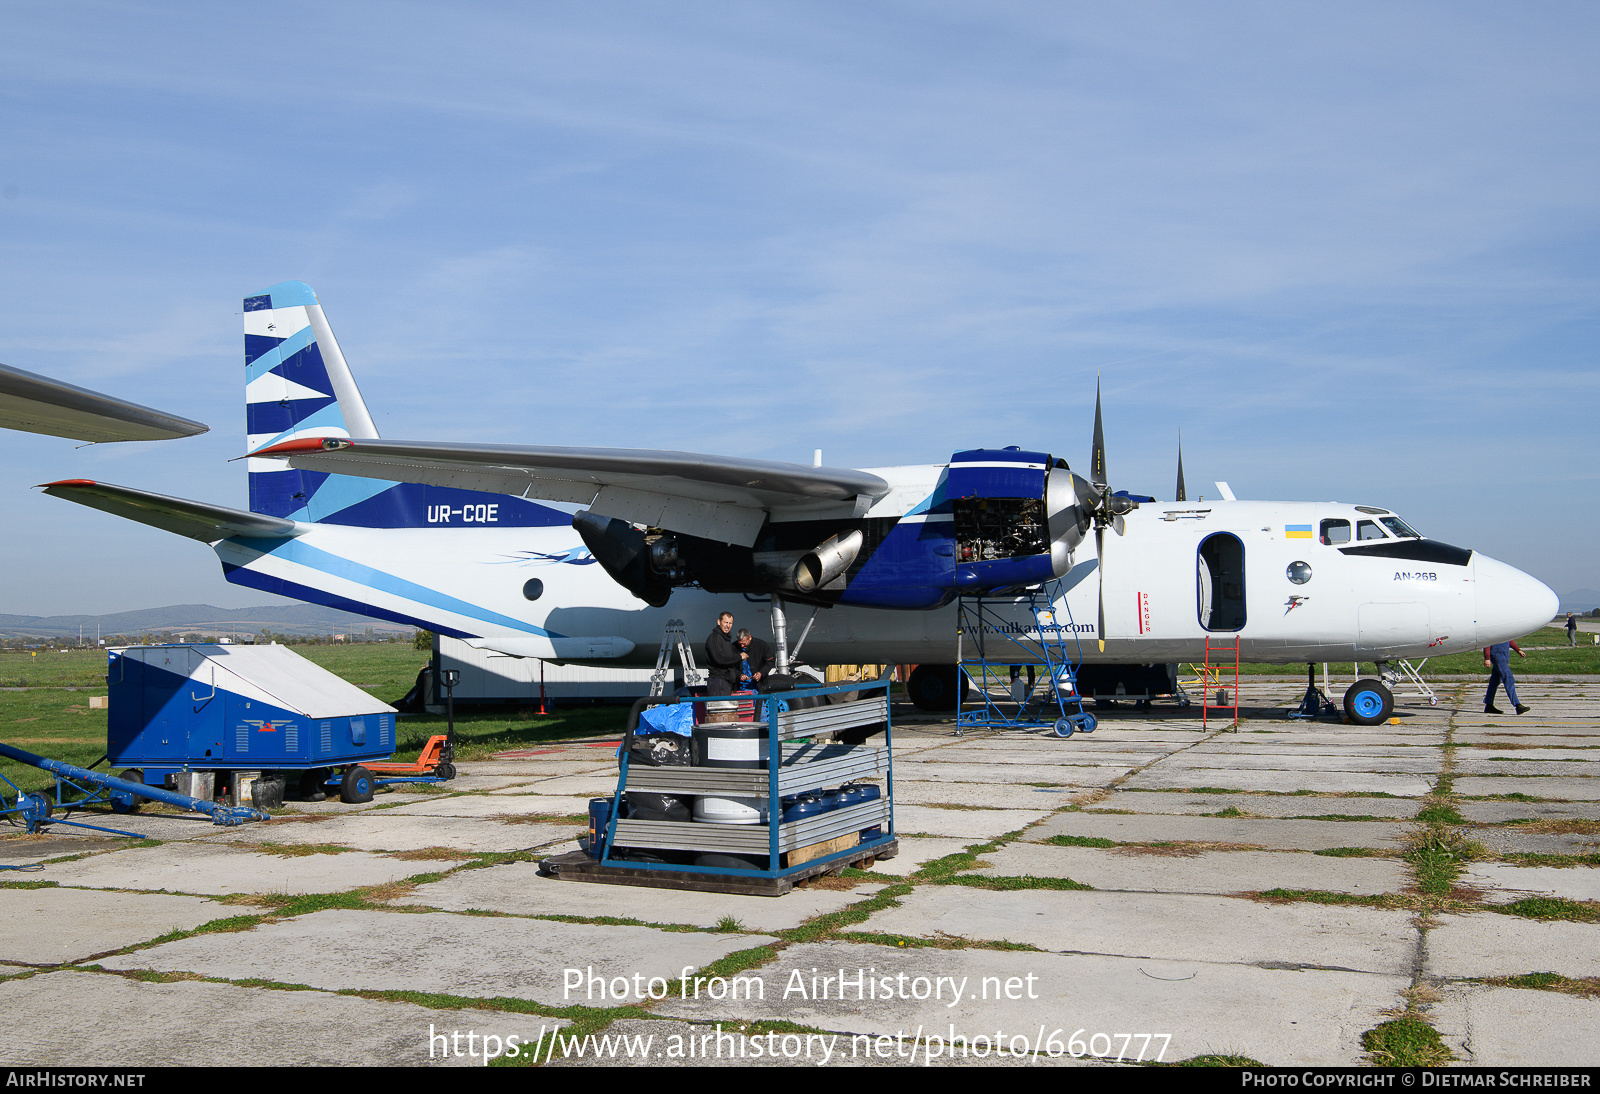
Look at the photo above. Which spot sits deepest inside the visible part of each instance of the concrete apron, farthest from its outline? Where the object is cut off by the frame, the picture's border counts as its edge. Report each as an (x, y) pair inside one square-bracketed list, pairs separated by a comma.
[(1165, 947)]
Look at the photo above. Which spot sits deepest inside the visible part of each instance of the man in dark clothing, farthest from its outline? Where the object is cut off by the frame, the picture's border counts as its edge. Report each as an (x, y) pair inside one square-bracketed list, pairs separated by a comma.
[(1572, 629), (1497, 659), (755, 660), (722, 657)]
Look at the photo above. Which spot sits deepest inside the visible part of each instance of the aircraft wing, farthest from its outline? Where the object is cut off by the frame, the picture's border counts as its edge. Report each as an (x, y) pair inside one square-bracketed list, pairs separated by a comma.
[(716, 497), (38, 404), (195, 519)]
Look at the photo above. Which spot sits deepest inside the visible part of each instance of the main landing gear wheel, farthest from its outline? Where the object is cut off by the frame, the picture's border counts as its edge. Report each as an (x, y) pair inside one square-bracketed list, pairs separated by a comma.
[(936, 687), (1368, 703)]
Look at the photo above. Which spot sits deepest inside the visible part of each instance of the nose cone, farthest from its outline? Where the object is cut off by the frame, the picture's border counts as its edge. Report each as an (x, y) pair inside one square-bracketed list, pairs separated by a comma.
[(1510, 602)]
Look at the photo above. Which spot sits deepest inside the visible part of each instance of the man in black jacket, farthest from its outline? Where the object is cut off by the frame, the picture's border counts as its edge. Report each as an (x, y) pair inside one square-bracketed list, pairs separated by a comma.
[(722, 657), (755, 660)]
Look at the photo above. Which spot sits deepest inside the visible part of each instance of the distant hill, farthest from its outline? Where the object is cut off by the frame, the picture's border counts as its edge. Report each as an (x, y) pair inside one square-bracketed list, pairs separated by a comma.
[(201, 619), (1580, 600)]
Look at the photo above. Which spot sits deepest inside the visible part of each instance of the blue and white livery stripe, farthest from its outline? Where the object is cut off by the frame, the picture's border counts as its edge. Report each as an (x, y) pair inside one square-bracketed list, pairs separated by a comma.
[(297, 384)]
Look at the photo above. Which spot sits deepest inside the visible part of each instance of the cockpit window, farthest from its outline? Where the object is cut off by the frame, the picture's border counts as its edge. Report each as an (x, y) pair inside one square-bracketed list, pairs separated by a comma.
[(1399, 527), (1335, 532), (1368, 530)]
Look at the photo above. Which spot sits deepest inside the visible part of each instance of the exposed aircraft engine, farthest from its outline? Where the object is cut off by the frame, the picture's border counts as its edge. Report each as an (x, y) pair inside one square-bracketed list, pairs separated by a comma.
[(1003, 519), (622, 551), (1018, 517)]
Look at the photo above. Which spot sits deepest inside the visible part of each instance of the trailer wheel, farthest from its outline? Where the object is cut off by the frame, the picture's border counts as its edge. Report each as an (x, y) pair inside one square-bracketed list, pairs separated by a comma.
[(34, 810), (356, 786), (121, 800), (311, 785)]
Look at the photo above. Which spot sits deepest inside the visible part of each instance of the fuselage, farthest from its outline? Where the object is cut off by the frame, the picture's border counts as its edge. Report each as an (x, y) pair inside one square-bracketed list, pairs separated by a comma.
[(1293, 581)]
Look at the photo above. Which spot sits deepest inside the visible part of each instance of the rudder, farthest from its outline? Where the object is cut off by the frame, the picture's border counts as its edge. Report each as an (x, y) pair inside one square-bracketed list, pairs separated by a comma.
[(297, 383)]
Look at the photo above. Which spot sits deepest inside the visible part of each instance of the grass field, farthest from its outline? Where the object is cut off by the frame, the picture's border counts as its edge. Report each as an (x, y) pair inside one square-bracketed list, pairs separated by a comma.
[(53, 721), (387, 669), (1580, 660)]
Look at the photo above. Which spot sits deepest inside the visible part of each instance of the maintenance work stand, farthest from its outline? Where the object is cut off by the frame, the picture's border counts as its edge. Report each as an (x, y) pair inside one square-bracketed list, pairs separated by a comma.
[(989, 638), (805, 774)]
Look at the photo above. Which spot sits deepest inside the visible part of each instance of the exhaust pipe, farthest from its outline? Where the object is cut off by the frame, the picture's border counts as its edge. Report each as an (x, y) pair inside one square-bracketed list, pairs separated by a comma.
[(828, 561)]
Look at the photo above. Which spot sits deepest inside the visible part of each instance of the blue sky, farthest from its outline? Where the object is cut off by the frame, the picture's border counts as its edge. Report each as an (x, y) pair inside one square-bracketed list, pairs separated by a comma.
[(1348, 249)]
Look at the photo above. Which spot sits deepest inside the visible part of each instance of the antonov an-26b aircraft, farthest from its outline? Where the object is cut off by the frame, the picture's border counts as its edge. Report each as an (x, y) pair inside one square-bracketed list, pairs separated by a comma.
[(460, 546)]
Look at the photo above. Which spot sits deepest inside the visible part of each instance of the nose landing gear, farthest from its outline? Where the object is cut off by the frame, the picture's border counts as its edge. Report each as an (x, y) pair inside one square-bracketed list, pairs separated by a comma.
[(1368, 703)]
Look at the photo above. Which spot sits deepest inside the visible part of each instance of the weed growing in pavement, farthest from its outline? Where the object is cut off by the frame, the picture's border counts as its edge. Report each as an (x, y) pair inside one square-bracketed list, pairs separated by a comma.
[(1407, 1041), (1352, 852), (1007, 884), (1549, 907), (1438, 856), (1226, 1060), (1587, 987)]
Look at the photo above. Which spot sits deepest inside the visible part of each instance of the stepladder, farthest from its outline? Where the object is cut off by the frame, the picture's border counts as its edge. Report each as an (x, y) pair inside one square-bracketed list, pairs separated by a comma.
[(675, 640)]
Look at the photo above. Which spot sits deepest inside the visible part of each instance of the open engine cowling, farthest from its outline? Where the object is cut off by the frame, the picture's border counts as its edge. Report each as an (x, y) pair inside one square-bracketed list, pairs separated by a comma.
[(1018, 516), (1014, 519)]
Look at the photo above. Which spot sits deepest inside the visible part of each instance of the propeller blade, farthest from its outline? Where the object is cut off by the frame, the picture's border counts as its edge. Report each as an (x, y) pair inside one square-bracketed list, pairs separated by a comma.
[(1118, 525), (1097, 456), (1100, 570)]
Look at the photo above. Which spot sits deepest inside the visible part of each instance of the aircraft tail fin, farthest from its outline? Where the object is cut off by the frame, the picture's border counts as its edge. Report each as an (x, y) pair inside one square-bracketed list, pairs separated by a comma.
[(298, 385)]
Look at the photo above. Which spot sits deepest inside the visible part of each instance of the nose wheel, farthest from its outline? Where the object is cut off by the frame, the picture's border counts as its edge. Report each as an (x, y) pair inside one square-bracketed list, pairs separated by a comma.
[(1368, 703)]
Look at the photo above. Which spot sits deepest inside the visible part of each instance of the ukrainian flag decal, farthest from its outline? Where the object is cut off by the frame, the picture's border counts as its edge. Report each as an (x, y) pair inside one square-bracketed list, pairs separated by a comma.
[(1297, 531)]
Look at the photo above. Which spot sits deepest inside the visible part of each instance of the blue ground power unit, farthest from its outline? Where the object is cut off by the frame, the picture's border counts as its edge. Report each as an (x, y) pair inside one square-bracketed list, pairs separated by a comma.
[(225, 708)]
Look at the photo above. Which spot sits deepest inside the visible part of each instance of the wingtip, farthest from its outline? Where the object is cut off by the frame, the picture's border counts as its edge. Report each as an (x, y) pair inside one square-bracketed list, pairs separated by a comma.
[(66, 482)]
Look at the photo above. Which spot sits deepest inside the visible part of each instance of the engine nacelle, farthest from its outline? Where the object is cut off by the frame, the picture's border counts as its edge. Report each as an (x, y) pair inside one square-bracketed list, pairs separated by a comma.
[(650, 564), (1018, 517), (1015, 519)]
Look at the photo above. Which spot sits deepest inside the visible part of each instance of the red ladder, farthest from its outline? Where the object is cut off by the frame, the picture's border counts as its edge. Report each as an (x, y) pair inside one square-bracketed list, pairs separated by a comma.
[(1215, 677)]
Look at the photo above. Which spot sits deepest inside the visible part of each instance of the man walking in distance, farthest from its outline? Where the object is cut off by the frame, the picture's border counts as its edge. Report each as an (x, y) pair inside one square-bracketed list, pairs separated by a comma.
[(1497, 659), (722, 657), (1572, 629)]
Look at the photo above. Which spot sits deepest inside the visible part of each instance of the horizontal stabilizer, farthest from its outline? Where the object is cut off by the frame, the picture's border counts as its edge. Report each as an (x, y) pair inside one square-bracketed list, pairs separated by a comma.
[(195, 519), (38, 404), (554, 648), (715, 497)]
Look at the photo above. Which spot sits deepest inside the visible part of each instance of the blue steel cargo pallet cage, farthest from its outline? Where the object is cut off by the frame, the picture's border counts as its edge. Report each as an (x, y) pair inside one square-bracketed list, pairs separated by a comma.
[(790, 721), (979, 620)]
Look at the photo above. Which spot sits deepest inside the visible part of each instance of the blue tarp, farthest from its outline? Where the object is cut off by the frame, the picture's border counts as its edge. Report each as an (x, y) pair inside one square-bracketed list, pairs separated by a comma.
[(669, 718)]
